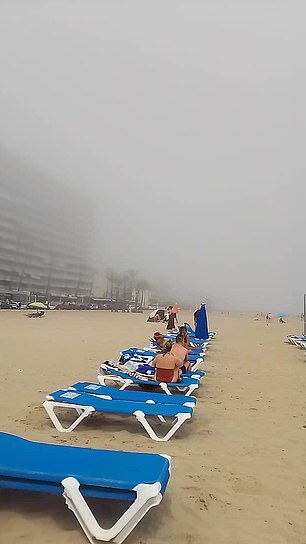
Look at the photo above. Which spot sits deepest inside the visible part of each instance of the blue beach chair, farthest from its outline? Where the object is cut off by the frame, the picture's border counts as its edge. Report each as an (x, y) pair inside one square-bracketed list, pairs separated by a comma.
[(191, 332), (197, 343), (189, 382), (77, 473), (296, 340), (137, 355), (130, 395), (88, 404), (147, 355)]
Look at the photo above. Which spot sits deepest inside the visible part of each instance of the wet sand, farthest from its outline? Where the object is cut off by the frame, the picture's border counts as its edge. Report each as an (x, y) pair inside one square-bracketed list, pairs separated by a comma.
[(238, 468)]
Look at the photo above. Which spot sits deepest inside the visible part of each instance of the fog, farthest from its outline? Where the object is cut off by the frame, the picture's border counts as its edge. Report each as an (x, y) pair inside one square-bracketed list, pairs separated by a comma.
[(183, 123)]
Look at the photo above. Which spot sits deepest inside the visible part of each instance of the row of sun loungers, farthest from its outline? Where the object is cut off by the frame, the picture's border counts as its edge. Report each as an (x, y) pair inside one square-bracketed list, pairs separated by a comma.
[(81, 473), (299, 341)]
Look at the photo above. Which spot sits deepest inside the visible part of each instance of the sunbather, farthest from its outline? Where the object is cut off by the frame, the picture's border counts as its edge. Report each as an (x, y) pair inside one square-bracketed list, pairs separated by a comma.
[(184, 333), (167, 365), (180, 352), (159, 339), (40, 313)]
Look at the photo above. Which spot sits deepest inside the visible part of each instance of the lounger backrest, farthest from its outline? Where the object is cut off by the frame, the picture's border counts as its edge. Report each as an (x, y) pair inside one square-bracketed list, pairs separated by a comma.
[(129, 395)]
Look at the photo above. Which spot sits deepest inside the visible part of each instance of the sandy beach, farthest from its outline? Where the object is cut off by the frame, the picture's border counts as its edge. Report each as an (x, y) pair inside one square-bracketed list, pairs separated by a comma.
[(238, 468)]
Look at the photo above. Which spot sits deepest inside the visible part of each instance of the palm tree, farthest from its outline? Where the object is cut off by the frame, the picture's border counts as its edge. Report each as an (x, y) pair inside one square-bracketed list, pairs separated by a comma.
[(110, 282), (117, 282), (131, 275), (141, 287), (126, 294)]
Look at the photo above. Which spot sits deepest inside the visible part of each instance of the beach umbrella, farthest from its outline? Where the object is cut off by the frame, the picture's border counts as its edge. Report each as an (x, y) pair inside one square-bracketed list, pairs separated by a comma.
[(37, 306), (201, 330), (281, 315)]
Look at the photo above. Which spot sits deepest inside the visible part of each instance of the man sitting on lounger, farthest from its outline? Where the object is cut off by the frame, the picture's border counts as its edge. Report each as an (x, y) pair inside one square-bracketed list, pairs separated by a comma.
[(180, 352), (167, 365)]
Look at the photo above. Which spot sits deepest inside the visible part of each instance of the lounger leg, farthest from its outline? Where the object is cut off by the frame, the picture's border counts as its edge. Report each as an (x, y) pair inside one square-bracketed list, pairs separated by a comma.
[(164, 387), (179, 420), (188, 390), (103, 378), (161, 418), (197, 364), (147, 496), (82, 411)]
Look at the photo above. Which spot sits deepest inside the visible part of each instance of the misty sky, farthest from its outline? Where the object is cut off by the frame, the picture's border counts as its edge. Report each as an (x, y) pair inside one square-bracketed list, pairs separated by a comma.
[(184, 121)]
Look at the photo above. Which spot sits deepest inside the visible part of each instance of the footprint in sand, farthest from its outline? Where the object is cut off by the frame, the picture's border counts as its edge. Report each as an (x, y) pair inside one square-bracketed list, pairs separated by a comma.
[(212, 496), (203, 504)]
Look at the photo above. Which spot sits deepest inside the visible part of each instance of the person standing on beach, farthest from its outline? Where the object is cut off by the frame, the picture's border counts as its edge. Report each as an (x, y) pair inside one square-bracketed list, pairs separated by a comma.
[(268, 318), (171, 320), (195, 317)]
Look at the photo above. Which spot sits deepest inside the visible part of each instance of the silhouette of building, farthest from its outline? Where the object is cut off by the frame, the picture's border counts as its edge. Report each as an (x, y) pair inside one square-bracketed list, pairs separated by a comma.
[(44, 236)]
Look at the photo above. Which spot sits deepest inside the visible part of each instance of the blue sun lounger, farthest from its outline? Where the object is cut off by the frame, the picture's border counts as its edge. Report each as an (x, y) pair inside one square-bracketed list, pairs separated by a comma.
[(197, 343), (296, 340), (191, 332), (146, 356), (187, 384), (77, 473), (197, 374), (130, 395), (87, 404)]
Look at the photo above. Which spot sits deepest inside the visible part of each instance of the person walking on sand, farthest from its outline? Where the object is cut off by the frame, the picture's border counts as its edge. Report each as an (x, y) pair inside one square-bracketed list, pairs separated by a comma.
[(268, 318)]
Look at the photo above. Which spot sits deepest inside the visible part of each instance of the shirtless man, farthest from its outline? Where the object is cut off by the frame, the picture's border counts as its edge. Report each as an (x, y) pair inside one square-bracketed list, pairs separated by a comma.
[(179, 351)]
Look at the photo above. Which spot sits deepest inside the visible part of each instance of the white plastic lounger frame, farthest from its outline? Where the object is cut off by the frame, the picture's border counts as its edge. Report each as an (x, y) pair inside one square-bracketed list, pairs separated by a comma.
[(106, 376), (82, 411), (85, 411), (148, 495), (197, 364)]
